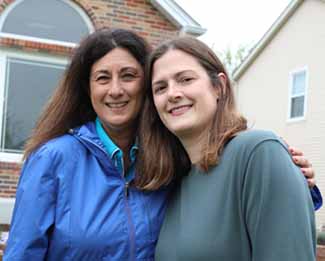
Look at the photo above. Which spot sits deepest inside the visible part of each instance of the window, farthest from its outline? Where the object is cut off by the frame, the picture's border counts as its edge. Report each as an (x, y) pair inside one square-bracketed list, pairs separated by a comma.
[(28, 85), (28, 78), (41, 20), (298, 87)]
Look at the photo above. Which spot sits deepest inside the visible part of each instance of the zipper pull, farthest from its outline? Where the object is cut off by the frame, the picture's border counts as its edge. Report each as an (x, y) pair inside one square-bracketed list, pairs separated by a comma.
[(126, 189)]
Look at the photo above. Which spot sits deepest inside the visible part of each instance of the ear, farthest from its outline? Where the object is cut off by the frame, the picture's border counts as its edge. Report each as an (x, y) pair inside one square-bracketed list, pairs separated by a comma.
[(223, 83)]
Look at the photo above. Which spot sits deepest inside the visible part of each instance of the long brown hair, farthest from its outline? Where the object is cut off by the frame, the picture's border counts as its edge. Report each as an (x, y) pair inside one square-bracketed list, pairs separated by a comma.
[(162, 157), (70, 105)]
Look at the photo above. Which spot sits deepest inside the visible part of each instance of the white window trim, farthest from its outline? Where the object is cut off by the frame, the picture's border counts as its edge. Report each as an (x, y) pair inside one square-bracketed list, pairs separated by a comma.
[(290, 96), (37, 40), (4, 54), (7, 207), (7, 11)]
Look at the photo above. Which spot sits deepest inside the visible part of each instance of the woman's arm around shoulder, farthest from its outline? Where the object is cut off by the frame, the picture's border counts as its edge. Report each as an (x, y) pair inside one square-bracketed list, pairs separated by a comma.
[(307, 169)]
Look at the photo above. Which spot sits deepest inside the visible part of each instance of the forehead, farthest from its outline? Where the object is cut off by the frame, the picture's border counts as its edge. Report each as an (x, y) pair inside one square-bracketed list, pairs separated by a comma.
[(174, 61), (116, 58)]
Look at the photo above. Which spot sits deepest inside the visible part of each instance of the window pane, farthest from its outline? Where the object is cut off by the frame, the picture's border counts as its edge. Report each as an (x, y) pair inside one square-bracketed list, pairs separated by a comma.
[(28, 86), (47, 19), (297, 107), (299, 83)]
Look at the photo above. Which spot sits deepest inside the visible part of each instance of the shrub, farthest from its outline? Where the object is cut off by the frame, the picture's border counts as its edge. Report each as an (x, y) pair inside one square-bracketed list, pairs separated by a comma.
[(321, 238)]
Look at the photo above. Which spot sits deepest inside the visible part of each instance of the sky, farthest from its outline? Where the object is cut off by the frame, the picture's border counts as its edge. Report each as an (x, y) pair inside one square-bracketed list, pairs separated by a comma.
[(231, 23)]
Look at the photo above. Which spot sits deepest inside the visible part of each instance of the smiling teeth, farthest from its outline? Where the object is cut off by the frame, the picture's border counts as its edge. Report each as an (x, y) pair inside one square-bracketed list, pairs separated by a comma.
[(116, 105), (182, 108), (178, 109)]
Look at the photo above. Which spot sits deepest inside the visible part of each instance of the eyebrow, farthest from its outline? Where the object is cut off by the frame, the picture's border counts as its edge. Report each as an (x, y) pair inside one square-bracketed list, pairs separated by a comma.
[(182, 72), (174, 76), (100, 71), (131, 68)]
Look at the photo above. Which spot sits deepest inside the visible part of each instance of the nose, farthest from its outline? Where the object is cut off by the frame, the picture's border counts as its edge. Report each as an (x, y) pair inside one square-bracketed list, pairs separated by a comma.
[(174, 93), (115, 89)]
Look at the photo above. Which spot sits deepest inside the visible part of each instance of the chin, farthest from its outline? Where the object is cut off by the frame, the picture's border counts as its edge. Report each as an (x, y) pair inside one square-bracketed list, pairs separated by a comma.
[(118, 124), (181, 131)]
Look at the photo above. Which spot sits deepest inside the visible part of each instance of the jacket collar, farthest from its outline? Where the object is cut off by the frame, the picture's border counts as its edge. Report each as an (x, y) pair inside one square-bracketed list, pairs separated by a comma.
[(87, 135)]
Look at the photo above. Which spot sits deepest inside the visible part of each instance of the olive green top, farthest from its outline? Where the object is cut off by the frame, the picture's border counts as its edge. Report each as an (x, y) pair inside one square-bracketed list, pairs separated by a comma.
[(255, 205)]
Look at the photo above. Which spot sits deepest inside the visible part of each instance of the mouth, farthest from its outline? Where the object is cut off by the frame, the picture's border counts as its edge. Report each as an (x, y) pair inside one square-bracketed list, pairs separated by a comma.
[(179, 110), (116, 105)]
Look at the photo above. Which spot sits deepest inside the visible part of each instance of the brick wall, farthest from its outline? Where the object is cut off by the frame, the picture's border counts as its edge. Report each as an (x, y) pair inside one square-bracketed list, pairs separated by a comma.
[(30, 46), (136, 15), (9, 174), (320, 253)]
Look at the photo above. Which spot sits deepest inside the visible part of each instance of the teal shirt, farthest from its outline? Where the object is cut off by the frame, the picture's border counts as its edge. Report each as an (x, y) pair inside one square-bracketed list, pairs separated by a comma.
[(255, 205), (115, 153)]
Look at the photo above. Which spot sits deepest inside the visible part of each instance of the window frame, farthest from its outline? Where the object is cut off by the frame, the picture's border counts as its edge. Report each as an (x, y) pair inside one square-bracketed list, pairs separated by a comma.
[(34, 57), (292, 74), (8, 9)]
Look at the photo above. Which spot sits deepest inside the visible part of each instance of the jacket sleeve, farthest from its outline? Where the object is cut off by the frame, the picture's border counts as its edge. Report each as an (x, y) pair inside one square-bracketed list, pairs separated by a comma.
[(34, 210), (277, 207), (317, 197)]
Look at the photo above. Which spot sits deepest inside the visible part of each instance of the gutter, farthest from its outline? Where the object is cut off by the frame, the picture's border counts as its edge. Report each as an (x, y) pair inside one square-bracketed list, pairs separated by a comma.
[(179, 17)]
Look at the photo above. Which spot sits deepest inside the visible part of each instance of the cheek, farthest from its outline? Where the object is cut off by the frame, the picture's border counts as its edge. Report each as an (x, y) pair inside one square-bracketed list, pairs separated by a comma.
[(135, 89), (212, 102), (97, 94), (211, 111), (158, 102), (94, 98)]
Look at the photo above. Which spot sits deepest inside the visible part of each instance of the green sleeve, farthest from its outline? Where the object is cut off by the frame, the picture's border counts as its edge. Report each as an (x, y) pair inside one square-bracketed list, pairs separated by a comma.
[(277, 206)]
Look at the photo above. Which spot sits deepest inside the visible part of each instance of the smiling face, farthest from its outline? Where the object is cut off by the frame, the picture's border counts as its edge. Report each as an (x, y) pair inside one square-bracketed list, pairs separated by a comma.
[(183, 94), (116, 89)]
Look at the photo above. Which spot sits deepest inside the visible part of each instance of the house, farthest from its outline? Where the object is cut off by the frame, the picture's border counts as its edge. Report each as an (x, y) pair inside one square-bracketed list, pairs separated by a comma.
[(36, 39), (281, 84)]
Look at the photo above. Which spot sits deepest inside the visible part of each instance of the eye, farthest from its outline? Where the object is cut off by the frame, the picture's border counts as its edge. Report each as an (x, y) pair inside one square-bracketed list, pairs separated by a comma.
[(159, 88), (129, 77), (102, 78), (186, 79)]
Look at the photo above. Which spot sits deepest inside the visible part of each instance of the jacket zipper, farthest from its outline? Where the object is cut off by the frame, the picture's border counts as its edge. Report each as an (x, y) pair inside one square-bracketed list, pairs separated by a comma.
[(130, 222), (126, 189), (127, 206)]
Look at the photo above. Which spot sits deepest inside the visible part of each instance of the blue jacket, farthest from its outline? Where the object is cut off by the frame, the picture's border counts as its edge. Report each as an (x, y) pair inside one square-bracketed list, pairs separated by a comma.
[(72, 204)]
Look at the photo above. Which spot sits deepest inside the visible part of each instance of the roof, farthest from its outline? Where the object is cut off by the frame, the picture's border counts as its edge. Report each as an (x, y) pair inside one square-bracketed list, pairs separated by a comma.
[(177, 16), (267, 38)]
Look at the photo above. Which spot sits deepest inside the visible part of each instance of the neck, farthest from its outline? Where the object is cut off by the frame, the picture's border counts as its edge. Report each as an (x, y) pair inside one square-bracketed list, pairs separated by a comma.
[(123, 138), (194, 146)]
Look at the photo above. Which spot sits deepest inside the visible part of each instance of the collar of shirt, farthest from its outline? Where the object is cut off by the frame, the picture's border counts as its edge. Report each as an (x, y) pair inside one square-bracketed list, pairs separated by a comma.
[(114, 152)]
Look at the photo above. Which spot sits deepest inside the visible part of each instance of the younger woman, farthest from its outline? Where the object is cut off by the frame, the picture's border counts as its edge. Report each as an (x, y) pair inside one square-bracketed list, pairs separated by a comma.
[(243, 198)]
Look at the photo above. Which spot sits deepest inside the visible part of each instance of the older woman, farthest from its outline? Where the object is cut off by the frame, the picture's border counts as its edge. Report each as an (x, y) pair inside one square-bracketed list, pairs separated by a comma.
[(74, 199), (243, 198)]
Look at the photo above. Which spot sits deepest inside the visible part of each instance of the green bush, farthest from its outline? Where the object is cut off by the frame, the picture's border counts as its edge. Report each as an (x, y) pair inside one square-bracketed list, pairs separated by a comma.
[(321, 238)]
